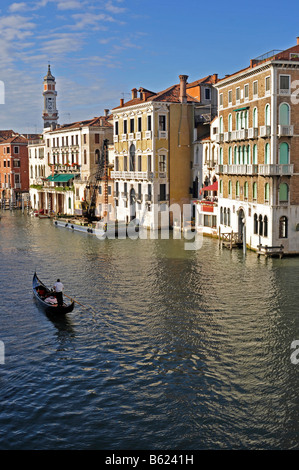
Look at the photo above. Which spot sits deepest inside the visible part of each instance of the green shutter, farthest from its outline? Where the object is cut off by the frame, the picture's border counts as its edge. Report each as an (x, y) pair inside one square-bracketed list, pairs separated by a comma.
[(283, 153)]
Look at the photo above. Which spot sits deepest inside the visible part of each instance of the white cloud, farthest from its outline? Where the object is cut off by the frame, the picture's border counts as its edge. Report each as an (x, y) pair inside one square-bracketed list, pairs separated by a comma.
[(14, 7), (87, 20), (113, 8)]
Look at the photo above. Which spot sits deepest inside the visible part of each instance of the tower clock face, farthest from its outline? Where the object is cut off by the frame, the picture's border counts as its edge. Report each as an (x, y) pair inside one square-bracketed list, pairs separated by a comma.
[(50, 104)]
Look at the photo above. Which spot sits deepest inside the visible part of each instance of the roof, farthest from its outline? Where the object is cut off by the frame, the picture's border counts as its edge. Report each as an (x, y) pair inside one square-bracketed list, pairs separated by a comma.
[(18, 139), (169, 95), (208, 80), (100, 121)]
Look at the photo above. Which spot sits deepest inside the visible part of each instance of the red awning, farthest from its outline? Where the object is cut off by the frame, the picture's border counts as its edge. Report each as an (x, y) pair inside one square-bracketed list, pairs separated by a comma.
[(212, 187)]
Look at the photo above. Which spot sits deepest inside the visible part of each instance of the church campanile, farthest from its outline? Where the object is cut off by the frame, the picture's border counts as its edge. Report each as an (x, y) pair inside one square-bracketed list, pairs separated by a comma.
[(50, 113)]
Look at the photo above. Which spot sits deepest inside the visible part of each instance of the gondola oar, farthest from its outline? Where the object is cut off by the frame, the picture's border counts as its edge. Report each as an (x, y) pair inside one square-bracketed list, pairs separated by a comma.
[(75, 301)]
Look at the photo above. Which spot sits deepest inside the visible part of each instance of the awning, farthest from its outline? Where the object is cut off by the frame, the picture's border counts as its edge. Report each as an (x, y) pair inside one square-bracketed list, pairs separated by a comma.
[(62, 178), (242, 109), (212, 187)]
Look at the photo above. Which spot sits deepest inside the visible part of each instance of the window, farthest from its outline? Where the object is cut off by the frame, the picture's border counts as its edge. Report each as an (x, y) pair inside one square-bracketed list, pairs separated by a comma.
[(283, 192), (16, 150), (255, 224), (139, 124), (267, 153), (235, 155), (254, 191), (221, 187), (149, 163), (116, 128), (162, 122), (125, 163), (132, 158), (228, 216), (162, 163), (139, 163), (97, 138), (149, 123), (238, 94), (267, 192), (230, 123), (225, 217), (284, 114), (255, 121), (207, 93), (16, 163), (255, 88), (267, 115), (246, 92), (283, 153), (230, 156), (131, 126), (265, 226), (17, 178), (85, 157), (84, 138), (248, 155), (284, 84), (221, 156), (221, 215), (125, 126), (261, 226), (230, 97), (237, 189), (246, 190), (283, 227), (116, 163), (267, 85), (221, 99), (254, 157), (230, 188), (109, 190)]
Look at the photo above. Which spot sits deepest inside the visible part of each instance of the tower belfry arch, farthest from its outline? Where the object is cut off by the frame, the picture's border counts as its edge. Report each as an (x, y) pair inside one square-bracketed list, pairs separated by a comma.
[(50, 112)]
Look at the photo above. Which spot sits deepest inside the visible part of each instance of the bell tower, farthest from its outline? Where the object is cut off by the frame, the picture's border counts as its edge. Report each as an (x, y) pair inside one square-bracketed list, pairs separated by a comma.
[(50, 113)]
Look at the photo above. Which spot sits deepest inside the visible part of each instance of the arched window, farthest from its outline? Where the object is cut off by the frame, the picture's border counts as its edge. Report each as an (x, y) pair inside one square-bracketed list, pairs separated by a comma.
[(220, 187), (70, 203), (261, 228), (255, 224), (237, 189), (237, 121), (85, 157), (132, 158), (267, 153), (283, 192), (267, 115), (230, 188), (255, 123), (267, 192), (283, 227), (206, 155), (265, 226), (254, 191), (221, 125), (97, 156), (221, 156), (246, 190), (235, 155), (230, 156), (221, 215), (284, 114), (244, 152), (230, 123), (248, 155), (239, 154), (228, 216), (254, 158), (284, 153), (125, 163), (225, 216)]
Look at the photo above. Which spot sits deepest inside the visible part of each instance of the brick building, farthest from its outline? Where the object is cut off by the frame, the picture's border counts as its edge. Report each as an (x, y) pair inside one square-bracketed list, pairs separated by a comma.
[(14, 175), (258, 136)]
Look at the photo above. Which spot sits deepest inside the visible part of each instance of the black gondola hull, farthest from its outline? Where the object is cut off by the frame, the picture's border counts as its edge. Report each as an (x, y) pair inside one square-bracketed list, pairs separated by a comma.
[(37, 286)]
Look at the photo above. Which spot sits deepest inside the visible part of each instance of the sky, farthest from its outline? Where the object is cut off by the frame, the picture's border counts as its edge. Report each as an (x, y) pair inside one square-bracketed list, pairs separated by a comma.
[(100, 50)]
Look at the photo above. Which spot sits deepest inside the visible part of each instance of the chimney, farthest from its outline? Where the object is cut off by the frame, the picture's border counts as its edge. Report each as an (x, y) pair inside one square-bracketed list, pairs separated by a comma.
[(106, 111), (121, 102), (297, 40), (134, 93), (183, 83), (215, 77)]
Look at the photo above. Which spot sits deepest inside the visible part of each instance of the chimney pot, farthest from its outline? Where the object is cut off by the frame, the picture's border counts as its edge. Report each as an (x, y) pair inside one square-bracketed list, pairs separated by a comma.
[(106, 111), (183, 83), (134, 93), (297, 40), (121, 102)]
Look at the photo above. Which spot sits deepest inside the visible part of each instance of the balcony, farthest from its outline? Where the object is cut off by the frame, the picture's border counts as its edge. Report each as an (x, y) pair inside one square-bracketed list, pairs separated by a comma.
[(131, 137), (236, 169), (253, 133), (285, 131), (252, 169), (162, 134), (124, 195), (116, 194), (163, 197), (123, 137), (148, 198), (219, 138), (148, 134), (276, 170), (139, 198), (138, 135), (227, 136), (265, 131), (115, 138), (132, 175), (17, 185)]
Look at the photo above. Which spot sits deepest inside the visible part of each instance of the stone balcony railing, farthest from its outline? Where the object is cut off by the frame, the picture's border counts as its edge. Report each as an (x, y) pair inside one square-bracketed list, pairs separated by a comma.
[(253, 169), (132, 175)]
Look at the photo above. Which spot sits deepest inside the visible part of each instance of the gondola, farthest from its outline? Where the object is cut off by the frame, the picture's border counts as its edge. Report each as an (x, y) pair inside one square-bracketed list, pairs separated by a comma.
[(46, 298)]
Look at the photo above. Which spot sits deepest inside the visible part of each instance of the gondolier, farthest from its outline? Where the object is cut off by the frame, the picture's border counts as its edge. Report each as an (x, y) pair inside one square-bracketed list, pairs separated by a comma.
[(58, 287)]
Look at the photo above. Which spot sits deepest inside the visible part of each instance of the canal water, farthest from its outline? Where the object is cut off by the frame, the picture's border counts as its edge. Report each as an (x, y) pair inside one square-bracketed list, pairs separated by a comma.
[(174, 349)]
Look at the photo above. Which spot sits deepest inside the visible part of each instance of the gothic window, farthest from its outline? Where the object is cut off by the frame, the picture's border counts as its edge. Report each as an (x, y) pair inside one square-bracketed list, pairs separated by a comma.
[(265, 226), (283, 227), (284, 153), (283, 192), (255, 224)]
